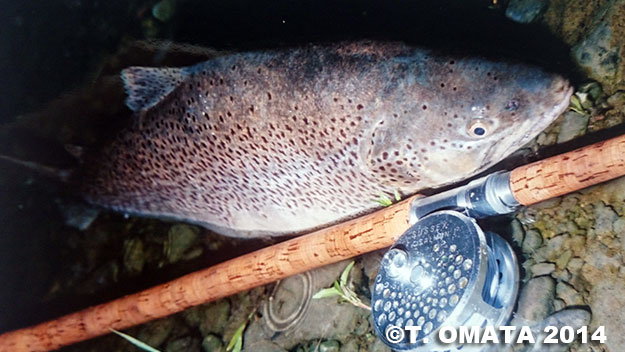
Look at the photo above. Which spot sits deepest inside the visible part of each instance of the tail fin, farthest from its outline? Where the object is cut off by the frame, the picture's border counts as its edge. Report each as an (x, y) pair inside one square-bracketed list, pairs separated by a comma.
[(47, 171)]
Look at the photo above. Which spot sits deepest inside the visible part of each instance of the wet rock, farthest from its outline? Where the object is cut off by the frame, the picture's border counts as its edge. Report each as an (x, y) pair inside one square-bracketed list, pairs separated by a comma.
[(371, 264), (77, 215), (243, 304), (617, 99), (212, 343), (573, 125), (575, 318), (599, 53), (518, 234), (350, 345), (605, 216), (571, 18), (288, 303), (134, 257), (155, 333), (619, 227), (558, 304), (545, 139), (105, 276), (184, 344), (164, 10), (568, 294), (562, 275), (600, 262), (607, 303), (552, 249), (378, 346), (535, 300), (526, 11), (325, 318), (329, 346), (541, 269), (533, 240), (215, 317), (575, 265), (180, 238), (563, 259), (264, 346)]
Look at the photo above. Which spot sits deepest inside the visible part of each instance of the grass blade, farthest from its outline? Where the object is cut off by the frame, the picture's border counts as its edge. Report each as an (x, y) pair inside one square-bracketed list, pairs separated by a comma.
[(142, 345)]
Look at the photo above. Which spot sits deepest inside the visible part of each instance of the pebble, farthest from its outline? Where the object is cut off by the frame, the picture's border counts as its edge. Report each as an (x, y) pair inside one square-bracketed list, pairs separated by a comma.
[(134, 256), (526, 11), (541, 269), (563, 259), (155, 333), (568, 294), (576, 318), (562, 275), (533, 240), (600, 261), (264, 346), (552, 249), (212, 343), (350, 346), (329, 346), (558, 304), (607, 303), (518, 234), (215, 317), (379, 346), (573, 125), (180, 238), (617, 99), (605, 216), (575, 264), (536, 299), (183, 344)]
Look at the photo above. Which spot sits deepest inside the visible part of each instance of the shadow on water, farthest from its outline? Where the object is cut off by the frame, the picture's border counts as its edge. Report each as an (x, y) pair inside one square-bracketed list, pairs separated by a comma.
[(30, 241)]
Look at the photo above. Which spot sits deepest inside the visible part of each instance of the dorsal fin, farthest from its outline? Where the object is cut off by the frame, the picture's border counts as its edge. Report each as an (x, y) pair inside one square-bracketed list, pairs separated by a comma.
[(147, 86)]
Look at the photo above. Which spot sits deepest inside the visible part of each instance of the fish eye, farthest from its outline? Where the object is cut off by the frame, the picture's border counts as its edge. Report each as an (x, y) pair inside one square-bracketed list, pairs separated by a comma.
[(512, 105), (477, 129)]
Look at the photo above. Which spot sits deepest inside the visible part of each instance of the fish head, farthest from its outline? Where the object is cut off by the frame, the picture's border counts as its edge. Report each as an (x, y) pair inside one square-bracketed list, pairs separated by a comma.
[(468, 116)]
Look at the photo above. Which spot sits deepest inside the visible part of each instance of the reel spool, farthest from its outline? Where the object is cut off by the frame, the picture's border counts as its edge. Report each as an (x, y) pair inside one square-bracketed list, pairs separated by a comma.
[(444, 271)]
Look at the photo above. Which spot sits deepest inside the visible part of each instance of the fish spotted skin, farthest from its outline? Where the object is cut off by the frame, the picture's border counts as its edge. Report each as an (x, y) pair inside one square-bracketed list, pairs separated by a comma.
[(285, 141)]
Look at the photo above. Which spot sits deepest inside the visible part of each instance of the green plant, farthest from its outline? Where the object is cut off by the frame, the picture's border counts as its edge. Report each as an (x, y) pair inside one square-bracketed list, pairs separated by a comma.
[(385, 201), (340, 288), (236, 342), (142, 345), (576, 105)]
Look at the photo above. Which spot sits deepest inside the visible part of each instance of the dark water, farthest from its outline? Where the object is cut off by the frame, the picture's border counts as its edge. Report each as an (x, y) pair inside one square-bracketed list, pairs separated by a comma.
[(48, 48)]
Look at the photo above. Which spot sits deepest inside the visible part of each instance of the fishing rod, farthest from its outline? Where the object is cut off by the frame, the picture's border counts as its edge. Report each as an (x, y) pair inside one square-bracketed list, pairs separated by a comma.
[(439, 232)]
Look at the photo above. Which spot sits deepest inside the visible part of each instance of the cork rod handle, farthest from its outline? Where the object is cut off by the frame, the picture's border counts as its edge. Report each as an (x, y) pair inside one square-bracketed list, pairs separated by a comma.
[(569, 172), (377, 230)]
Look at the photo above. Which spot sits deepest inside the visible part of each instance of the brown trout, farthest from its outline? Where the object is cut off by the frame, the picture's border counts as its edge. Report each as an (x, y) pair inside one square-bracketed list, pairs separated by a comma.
[(285, 141)]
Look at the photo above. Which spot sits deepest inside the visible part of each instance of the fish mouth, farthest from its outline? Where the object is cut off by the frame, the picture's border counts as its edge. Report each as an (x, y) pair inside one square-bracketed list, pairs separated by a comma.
[(563, 87), (564, 103)]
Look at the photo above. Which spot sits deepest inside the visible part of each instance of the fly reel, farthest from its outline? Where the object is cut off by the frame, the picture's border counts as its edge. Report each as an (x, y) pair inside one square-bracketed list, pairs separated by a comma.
[(443, 272)]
